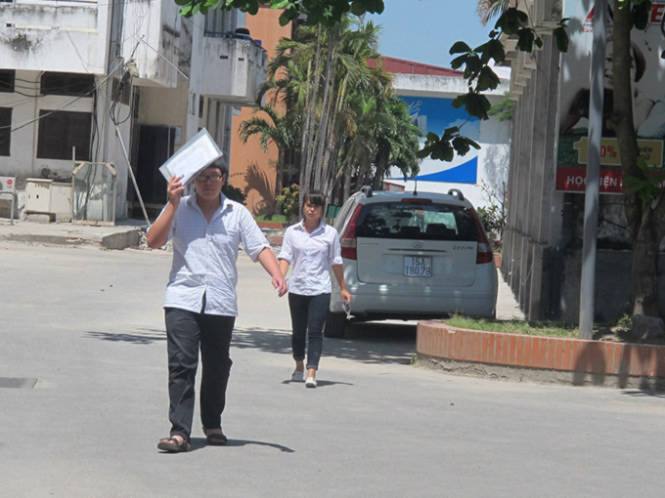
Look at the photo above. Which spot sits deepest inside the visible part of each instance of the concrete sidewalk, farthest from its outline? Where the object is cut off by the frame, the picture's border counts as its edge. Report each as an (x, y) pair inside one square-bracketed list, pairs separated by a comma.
[(126, 233)]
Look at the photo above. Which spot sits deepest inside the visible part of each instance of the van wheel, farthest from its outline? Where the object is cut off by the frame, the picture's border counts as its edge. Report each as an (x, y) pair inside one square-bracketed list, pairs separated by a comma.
[(335, 325)]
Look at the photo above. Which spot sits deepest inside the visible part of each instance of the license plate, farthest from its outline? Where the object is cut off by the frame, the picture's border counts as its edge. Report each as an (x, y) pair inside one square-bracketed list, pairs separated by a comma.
[(417, 266)]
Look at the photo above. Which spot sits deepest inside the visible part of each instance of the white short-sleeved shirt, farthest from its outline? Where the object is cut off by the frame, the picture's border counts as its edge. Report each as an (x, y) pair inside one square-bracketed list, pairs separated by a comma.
[(205, 254), (310, 256)]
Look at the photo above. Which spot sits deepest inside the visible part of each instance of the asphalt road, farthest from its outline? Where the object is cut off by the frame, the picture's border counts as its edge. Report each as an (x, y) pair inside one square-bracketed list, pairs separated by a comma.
[(86, 324)]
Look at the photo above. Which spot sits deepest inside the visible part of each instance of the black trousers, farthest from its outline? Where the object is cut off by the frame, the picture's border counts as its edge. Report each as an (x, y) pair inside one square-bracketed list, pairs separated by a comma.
[(186, 332), (308, 317)]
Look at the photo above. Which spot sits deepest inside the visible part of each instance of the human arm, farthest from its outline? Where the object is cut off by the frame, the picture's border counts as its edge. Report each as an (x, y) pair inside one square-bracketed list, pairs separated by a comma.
[(270, 265), (338, 270), (158, 233), (283, 266)]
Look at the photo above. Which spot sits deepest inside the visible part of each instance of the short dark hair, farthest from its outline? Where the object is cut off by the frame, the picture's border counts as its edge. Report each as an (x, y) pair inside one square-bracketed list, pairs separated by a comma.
[(316, 198), (220, 164)]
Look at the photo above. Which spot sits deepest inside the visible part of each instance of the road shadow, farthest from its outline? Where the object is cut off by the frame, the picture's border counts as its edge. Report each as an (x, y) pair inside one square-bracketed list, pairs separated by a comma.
[(198, 443), (369, 342), (319, 383), (590, 362), (141, 336), (655, 389)]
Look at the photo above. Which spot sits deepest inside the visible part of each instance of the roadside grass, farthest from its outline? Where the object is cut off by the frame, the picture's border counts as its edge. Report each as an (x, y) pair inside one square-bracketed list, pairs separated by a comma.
[(551, 329), (619, 331), (272, 218)]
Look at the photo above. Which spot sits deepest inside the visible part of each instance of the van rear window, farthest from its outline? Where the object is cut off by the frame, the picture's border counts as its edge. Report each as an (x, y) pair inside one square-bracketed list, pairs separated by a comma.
[(396, 220)]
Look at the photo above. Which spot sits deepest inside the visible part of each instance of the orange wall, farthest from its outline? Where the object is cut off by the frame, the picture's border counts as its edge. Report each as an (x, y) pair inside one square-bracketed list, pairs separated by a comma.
[(252, 169)]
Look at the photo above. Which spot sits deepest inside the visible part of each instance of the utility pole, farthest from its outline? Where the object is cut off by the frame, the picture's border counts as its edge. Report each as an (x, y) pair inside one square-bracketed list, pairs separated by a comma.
[(596, 97)]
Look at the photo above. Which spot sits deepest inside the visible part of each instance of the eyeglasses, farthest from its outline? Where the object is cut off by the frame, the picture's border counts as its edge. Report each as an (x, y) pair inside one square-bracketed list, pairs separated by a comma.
[(205, 178)]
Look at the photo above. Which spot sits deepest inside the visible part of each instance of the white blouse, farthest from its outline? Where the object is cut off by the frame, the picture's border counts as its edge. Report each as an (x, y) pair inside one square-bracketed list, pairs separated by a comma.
[(310, 256)]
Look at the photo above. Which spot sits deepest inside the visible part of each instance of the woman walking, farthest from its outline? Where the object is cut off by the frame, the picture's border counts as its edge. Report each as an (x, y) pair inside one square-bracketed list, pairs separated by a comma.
[(312, 248)]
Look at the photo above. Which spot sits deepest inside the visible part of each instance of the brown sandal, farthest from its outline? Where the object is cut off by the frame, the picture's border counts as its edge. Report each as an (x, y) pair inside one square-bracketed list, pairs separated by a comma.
[(215, 437), (173, 445)]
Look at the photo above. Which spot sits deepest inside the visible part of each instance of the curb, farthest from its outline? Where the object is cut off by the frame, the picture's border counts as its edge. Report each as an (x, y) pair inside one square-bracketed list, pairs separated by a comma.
[(122, 240), (116, 241), (46, 239), (539, 358)]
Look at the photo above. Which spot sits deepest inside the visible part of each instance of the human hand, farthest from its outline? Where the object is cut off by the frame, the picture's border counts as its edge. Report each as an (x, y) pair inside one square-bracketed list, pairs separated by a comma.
[(174, 190), (279, 283), (346, 296)]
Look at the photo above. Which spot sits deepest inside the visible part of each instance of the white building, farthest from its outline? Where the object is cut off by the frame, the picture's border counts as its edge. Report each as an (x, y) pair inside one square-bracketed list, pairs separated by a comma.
[(74, 72), (429, 91)]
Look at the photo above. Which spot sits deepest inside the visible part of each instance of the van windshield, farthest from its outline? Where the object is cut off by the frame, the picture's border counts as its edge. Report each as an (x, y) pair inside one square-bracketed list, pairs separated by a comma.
[(397, 220)]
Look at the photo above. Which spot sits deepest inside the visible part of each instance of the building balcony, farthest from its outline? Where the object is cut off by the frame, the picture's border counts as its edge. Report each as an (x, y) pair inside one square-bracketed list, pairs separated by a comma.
[(67, 36), (230, 69)]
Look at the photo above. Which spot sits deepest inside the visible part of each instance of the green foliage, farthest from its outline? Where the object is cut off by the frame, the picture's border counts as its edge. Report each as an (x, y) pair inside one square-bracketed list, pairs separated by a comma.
[(492, 218), (561, 36), (325, 12), (503, 110), (625, 322), (444, 147), (475, 63), (512, 23), (288, 201), (647, 183), (233, 193), (641, 10)]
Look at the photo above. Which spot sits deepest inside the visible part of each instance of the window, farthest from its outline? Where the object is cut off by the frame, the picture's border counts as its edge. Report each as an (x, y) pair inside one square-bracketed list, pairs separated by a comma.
[(434, 221), (200, 106), (7, 80), (67, 84), (5, 130), (59, 131), (214, 23)]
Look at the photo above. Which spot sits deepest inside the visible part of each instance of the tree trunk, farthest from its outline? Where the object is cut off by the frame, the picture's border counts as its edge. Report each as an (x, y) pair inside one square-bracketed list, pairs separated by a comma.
[(644, 271), (309, 126), (327, 113), (381, 168), (347, 184), (642, 220)]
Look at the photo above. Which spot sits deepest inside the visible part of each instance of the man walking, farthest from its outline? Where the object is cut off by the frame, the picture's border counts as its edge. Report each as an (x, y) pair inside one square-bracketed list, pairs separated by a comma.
[(200, 301)]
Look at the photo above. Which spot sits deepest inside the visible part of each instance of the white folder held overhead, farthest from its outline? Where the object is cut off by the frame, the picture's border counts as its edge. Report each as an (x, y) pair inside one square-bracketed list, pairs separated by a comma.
[(197, 153)]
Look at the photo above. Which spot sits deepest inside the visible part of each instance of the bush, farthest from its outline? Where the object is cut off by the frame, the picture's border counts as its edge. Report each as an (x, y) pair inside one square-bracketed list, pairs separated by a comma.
[(235, 194), (289, 201), (492, 219)]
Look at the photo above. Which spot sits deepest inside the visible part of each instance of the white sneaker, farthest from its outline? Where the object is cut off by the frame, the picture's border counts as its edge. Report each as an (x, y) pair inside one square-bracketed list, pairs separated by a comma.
[(297, 375), (310, 382)]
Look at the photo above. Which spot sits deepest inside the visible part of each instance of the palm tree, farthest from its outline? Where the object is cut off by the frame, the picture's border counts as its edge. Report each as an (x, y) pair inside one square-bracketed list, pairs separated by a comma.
[(488, 9), (345, 109), (281, 130)]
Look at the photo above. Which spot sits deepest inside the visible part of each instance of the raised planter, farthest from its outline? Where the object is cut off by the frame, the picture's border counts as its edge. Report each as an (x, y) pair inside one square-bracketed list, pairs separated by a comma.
[(550, 359), (271, 224)]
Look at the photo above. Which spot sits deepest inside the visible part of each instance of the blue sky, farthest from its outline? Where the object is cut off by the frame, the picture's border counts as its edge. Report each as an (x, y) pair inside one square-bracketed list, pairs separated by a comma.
[(424, 30)]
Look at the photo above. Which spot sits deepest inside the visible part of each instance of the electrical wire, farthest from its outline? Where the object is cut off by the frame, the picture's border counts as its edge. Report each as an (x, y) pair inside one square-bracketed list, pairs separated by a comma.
[(164, 57), (66, 104)]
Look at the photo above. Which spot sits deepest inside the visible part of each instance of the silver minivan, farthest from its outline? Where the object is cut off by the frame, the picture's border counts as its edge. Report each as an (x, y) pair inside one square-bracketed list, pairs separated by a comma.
[(412, 256)]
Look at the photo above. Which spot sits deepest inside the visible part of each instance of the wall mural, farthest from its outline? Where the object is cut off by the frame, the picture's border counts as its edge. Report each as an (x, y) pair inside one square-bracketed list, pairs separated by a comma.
[(435, 115)]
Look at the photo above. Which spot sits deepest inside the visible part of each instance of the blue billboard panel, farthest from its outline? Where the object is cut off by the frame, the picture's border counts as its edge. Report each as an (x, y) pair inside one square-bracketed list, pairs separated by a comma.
[(434, 115)]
